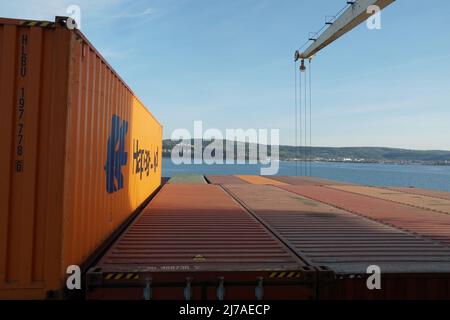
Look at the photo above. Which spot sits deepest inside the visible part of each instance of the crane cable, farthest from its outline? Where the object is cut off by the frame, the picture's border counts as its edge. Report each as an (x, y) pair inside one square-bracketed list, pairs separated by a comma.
[(305, 120), (295, 120), (298, 121), (310, 119), (300, 126)]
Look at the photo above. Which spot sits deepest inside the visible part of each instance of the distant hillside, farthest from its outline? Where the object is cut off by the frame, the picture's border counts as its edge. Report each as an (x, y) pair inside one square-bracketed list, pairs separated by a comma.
[(372, 153), (349, 154)]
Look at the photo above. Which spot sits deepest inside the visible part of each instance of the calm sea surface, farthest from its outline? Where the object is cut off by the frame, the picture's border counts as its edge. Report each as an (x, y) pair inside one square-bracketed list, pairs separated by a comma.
[(420, 176)]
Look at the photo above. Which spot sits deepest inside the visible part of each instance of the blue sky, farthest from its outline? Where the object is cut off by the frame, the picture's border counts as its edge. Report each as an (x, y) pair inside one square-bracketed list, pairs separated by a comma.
[(230, 64)]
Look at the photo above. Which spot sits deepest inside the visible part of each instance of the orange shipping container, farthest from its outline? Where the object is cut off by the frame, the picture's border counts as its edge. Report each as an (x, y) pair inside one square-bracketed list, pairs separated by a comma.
[(80, 154)]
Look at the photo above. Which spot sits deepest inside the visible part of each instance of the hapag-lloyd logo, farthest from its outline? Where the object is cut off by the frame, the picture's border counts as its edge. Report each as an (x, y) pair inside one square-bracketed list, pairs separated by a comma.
[(116, 155), (143, 160)]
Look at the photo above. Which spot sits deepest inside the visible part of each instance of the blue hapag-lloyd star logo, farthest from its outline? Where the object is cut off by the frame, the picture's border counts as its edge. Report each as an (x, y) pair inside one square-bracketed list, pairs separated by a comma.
[(116, 155)]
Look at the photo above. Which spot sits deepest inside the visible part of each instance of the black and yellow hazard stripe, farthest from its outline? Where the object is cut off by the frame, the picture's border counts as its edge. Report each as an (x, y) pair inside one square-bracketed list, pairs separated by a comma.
[(42, 24), (285, 275), (121, 276)]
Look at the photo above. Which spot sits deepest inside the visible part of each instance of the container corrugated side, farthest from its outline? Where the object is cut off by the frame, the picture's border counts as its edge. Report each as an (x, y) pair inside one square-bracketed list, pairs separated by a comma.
[(77, 148), (348, 244), (197, 237)]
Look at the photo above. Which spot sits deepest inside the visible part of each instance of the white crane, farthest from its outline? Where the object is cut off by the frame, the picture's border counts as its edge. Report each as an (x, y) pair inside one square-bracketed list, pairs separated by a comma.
[(357, 12)]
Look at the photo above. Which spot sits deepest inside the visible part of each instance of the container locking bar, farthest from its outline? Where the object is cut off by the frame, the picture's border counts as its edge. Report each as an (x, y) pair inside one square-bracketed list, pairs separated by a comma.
[(148, 289), (259, 290), (220, 289), (188, 289)]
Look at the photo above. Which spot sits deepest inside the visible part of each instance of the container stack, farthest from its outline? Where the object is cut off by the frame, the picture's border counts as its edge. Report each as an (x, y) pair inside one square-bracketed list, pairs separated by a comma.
[(252, 237), (82, 160)]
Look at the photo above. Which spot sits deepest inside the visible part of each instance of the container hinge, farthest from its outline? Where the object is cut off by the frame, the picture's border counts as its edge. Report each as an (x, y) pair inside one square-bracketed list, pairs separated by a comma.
[(220, 289), (148, 289), (67, 22), (188, 289), (259, 290)]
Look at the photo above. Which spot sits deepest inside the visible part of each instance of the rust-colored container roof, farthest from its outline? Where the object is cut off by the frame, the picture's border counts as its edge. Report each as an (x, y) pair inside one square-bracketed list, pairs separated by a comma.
[(225, 179), (306, 181), (197, 228), (425, 202), (342, 241), (424, 222), (259, 180), (423, 192), (187, 179)]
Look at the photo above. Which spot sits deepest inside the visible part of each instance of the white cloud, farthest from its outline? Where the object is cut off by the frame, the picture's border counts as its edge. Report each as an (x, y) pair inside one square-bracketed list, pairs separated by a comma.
[(143, 13)]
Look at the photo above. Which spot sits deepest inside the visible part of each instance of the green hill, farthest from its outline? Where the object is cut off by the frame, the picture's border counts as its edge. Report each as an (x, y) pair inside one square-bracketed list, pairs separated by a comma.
[(347, 154)]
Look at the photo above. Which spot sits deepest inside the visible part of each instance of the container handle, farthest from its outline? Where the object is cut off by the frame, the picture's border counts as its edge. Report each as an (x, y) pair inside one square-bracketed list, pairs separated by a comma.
[(220, 289), (148, 289), (259, 290), (188, 289)]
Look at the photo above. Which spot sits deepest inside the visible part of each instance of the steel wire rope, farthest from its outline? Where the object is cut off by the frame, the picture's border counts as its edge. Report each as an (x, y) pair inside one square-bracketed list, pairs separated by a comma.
[(299, 148), (305, 128), (310, 119), (295, 120)]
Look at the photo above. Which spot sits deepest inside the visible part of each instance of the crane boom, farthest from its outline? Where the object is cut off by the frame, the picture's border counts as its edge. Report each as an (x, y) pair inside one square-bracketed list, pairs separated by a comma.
[(355, 14)]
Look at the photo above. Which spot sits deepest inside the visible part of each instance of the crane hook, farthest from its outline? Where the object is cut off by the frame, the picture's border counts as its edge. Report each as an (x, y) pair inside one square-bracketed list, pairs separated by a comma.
[(302, 66)]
